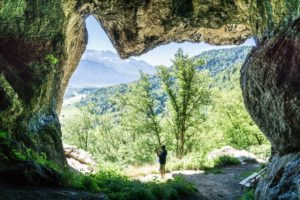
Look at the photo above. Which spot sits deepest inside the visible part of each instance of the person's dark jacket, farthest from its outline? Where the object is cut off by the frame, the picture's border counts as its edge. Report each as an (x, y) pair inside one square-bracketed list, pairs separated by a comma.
[(162, 157)]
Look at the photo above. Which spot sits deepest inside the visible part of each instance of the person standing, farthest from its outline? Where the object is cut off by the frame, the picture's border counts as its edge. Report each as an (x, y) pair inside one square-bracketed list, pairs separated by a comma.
[(162, 158)]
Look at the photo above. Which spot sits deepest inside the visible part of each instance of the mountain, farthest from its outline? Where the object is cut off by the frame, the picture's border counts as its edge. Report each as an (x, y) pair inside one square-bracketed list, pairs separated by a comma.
[(105, 68)]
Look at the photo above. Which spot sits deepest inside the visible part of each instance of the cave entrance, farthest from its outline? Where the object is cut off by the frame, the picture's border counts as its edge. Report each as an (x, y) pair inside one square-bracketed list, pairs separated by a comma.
[(92, 119)]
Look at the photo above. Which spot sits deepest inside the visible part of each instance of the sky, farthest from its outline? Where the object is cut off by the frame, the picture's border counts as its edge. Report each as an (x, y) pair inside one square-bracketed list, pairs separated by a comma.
[(161, 55)]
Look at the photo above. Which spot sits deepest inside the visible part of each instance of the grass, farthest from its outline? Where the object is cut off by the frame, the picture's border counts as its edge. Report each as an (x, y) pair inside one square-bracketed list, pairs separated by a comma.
[(189, 163), (249, 194), (119, 187), (225, 160), (213, 171), (248, 173), (68, 111)]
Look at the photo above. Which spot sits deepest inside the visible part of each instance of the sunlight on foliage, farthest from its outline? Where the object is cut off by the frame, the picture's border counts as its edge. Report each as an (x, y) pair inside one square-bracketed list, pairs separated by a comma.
[(51, 59), (118, 187), (124, 124)]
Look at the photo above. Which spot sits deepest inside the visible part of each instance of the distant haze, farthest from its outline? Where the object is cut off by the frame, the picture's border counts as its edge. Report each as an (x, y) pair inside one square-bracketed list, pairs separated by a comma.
[(105, 68)]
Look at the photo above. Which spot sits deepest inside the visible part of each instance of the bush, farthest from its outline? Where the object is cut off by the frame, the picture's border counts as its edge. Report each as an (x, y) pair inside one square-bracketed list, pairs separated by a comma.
[(117, 186), (3, 135), (17, 155), (189, 162), (249, 194), (226, 161), (51, 59), (261, 151)]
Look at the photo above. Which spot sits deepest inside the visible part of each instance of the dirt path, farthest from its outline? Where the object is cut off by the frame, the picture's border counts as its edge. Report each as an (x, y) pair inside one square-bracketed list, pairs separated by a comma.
[(221, 186)]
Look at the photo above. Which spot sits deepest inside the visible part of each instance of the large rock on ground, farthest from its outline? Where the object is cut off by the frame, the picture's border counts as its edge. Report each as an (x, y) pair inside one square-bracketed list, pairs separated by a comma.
[(28, 173), (79, 159), (271, 87), (243, 155)]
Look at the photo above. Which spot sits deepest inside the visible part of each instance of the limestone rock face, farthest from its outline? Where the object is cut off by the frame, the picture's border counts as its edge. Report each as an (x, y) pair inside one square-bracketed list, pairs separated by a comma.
[(282, 179), (41, 43), (271, 88)]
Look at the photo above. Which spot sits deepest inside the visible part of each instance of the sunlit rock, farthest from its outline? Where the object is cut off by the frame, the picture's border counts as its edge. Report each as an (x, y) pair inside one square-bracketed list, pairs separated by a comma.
[(79, 159)]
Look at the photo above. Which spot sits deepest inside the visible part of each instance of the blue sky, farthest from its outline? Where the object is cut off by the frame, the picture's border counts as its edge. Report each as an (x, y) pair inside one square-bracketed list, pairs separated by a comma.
[(161, 55)]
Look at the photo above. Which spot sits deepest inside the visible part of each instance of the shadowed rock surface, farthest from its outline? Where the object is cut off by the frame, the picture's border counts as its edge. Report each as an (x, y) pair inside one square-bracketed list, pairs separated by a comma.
[(38, 193), (41, 43), (271, 88)]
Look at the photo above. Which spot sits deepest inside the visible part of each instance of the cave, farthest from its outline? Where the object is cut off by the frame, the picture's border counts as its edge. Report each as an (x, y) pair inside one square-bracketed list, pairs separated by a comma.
[(41, 43)]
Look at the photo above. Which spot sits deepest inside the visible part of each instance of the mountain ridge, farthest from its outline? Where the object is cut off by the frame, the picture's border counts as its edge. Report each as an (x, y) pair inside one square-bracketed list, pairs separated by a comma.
[(105, 68)]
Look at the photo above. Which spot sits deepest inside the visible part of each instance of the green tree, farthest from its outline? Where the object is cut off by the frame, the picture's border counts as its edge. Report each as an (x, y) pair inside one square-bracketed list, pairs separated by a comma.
[(141, 109), (78, 130), (188, 93), (234, 120)]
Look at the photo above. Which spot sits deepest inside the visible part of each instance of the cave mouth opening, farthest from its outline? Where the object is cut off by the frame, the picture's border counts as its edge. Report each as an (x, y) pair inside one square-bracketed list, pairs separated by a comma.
[(91, 121)]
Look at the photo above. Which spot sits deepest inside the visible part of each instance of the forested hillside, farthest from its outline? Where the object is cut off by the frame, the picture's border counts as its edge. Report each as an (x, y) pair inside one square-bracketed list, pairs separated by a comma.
[(124, 124)]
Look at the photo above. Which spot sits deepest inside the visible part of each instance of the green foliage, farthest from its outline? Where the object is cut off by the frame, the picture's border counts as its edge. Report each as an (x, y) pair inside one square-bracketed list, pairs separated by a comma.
[(50, 58), (17, 155), (116, 124), (22, 19), (214, 171), (226, 161), (141, 104), (248, 173), (248, 194), (188, 94), (189, 162), (261, 151), (117, 186), (3, 135), (23, 153), (41, 159)]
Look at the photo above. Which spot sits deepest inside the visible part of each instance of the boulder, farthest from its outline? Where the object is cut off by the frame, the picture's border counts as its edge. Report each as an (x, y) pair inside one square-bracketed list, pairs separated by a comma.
[(243, 155), (79, 159), (28, 173), (270, 81)]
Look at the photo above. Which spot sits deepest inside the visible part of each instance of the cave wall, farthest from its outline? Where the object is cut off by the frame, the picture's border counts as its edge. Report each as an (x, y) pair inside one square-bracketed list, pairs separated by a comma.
[(270, 81), (41, 43)]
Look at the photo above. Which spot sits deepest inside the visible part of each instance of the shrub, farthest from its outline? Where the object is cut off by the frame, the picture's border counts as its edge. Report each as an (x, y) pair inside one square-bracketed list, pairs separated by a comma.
[(51, 59), (261, 151), (3, 135), (249, 194), (17, 155), (189, 162), (226, 161), (118, 187), (213, 171)]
